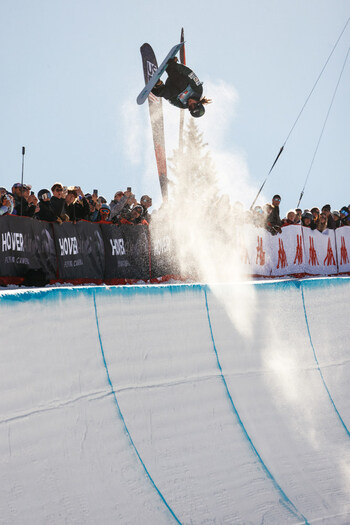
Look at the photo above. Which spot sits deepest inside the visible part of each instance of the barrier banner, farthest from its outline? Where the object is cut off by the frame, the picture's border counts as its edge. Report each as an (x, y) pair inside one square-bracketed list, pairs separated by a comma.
[(33, 251), (320, 252), (45, 248), (287, 252), (163, 251), (26, 244), (342, 237), (253, 245), (80, 251), (126, 250)]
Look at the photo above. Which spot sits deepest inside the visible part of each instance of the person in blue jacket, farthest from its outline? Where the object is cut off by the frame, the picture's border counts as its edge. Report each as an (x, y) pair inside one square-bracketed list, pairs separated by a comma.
[(182, 88)]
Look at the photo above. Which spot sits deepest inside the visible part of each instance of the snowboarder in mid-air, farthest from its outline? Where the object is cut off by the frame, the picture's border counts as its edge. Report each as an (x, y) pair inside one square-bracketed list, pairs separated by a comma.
[(182, 88)]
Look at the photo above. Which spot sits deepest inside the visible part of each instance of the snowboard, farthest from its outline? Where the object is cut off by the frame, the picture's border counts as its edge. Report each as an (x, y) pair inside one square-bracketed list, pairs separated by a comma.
[(150, 65), (157, 74)]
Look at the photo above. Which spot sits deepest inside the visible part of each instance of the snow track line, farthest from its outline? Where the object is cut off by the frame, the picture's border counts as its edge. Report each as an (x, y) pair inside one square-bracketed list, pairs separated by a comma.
[(318, 365), (92, 396), (285, 500), (122, 417)]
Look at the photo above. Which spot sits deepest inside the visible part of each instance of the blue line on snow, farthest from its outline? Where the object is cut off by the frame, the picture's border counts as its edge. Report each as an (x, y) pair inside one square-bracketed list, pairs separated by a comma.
[(123, 420), (289, 505), (318, 365)]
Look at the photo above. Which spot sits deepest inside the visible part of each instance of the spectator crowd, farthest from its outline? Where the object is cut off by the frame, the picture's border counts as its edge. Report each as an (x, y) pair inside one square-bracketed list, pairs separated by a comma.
[(269, 217), (70, 204), (63, 204)]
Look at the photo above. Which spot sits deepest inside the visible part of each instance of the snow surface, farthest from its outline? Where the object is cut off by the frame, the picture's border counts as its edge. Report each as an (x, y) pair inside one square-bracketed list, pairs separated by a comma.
[(176, 404)]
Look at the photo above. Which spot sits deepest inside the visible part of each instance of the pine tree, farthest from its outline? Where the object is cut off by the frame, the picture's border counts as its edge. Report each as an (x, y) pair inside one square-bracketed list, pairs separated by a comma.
[(195, 218), (193, 170)]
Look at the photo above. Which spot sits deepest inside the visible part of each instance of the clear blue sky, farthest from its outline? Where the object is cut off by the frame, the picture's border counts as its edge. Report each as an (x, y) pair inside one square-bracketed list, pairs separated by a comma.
[(71, 71)]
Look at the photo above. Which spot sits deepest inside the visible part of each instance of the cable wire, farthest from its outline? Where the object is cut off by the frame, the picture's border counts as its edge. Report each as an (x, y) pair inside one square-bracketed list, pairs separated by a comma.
[(323, 127), (301, 111)]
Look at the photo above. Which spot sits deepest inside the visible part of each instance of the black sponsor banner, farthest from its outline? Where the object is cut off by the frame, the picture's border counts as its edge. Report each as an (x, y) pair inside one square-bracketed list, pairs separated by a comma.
[(163, 253), (80, 251), (45, 248), (26, 244), (126, 251)]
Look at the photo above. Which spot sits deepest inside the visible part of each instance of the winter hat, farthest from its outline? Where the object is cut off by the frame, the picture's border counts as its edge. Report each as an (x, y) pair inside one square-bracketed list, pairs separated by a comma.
[(307, 215), (138, 207), (105, 207)]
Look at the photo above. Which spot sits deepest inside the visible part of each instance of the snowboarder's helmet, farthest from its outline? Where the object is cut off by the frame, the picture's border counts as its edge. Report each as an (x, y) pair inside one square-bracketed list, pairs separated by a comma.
[(197, 110), (44, 192)]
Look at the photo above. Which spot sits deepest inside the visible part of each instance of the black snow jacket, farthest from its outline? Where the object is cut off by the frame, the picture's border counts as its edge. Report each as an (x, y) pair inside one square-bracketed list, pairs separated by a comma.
[(46, 212), (180, 85), (28, 210), (78, 210), (57, 206)]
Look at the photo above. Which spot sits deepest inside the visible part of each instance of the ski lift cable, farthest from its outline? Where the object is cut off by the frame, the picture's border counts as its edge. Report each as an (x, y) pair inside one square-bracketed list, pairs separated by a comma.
[(323, 127), (301, 111)]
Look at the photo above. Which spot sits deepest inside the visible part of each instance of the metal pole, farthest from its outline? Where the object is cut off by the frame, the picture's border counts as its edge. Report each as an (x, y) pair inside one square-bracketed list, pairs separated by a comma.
[(23, 153)]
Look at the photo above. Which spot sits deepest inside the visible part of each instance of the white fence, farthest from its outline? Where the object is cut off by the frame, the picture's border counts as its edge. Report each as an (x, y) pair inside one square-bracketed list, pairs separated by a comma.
[(297, 250)]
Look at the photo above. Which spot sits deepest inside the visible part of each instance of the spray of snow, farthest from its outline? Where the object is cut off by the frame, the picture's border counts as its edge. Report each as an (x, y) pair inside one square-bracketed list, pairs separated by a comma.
[(206, 236), (205, 224)]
